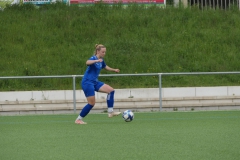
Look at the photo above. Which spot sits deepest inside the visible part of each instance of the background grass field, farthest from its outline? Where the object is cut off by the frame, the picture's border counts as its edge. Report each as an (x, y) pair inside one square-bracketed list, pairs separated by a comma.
[(58, 39), (158, 135)]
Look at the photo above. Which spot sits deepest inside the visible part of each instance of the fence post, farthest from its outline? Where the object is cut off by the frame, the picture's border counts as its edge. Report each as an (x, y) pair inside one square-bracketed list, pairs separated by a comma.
[(239, 4), (160, 91), (74, 93), (178, 3), (185, 3)]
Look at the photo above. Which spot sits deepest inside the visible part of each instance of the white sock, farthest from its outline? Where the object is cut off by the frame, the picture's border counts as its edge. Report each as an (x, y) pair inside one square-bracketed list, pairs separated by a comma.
[(110, 110), (79, 117)]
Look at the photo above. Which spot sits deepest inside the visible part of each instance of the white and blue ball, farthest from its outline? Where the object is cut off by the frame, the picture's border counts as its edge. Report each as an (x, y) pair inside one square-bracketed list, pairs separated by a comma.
[(128, 115)]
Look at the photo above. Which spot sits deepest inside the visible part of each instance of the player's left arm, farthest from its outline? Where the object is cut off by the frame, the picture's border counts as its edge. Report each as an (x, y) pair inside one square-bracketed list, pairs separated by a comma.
[(112, 69)]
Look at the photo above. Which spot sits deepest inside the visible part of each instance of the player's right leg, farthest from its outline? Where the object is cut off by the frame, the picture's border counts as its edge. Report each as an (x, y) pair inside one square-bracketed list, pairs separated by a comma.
[(90, 95), (86, 110)]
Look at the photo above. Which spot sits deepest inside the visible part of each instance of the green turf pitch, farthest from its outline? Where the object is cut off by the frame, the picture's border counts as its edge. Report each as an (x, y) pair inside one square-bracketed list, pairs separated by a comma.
[(206, 135)]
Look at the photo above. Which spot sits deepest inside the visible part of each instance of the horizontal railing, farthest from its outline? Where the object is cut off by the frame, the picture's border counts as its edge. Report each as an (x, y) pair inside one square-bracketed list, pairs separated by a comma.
[(121, 75)]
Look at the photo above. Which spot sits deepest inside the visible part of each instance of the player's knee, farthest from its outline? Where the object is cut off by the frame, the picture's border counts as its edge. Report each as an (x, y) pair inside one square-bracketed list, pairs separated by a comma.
[(91, 100), (92, 104), (110, 89), (112, 92)]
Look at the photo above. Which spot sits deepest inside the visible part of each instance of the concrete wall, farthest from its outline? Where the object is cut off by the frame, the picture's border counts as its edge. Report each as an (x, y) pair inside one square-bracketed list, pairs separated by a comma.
[(142, 99), (122, 93)]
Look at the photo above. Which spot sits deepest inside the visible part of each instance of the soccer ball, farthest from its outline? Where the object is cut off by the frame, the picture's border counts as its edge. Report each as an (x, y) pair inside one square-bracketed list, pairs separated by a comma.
[(128, 115)]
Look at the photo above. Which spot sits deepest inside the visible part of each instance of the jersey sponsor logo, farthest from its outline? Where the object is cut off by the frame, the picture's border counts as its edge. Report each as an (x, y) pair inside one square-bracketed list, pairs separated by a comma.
[(99, 64)]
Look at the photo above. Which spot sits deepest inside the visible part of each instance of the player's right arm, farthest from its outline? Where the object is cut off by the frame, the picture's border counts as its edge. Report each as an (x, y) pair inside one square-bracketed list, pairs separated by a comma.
[(90, 62)]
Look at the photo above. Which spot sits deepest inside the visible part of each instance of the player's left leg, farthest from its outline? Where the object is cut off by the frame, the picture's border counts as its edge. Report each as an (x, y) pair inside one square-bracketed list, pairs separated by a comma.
[(110, 99)]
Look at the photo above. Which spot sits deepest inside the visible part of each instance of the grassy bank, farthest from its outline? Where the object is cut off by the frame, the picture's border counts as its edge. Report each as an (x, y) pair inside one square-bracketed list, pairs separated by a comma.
[(58, 39)]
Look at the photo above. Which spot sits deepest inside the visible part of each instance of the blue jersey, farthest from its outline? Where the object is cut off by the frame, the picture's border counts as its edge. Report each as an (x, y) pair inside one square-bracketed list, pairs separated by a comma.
[(93, 71)]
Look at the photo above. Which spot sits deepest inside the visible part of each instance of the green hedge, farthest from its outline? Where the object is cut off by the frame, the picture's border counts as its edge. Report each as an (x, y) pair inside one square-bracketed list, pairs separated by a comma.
[(58, 39)]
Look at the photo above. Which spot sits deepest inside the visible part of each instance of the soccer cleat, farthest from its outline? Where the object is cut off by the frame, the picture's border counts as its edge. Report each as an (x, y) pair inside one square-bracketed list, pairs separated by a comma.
[(79, 121), (112, 114)]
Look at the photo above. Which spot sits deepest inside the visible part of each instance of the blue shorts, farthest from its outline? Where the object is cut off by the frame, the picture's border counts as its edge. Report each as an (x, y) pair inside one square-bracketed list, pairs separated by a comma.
[(90, 88)]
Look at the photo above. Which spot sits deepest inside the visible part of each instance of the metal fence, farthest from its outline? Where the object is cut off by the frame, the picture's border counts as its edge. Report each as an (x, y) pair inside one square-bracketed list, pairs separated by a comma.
[(118, 75), (220, 4)]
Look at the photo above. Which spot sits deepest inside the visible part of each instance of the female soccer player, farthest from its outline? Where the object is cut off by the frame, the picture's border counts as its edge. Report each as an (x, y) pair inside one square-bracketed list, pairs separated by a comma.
[(90, 83)]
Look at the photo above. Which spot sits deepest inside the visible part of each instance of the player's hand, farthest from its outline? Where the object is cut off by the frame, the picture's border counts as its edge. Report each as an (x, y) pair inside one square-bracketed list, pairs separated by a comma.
[(116, 70), (100, 60)]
